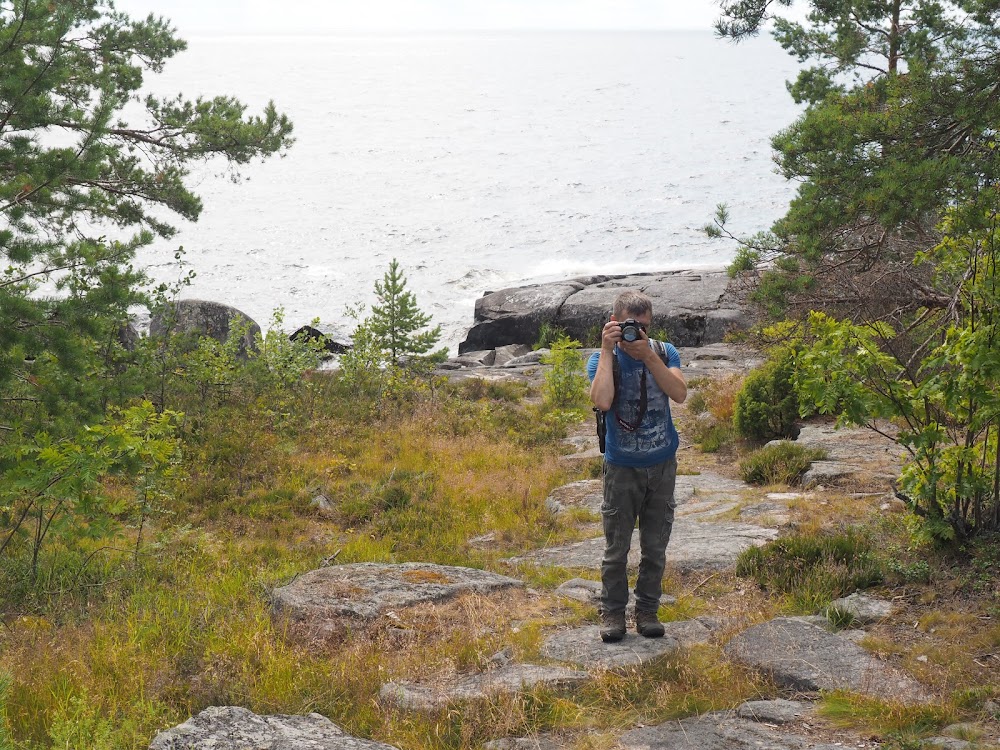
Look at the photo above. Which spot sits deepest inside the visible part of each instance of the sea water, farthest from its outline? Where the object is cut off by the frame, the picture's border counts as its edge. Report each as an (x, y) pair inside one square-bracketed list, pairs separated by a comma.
[(479, 161)]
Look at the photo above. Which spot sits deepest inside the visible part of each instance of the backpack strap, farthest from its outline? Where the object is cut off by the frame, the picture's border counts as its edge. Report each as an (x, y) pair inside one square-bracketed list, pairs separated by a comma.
[(661, 350)]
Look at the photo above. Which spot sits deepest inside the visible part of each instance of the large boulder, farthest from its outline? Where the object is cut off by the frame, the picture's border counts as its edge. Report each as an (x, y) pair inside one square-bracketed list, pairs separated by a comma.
[(694, 307), (195, 317)]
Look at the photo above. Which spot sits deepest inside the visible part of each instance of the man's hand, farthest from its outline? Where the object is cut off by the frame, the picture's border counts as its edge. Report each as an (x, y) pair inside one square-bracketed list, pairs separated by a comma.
[(638, 349), (611, 335)]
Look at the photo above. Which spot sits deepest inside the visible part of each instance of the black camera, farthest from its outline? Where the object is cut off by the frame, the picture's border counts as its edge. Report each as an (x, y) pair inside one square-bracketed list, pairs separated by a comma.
[(630, 330)]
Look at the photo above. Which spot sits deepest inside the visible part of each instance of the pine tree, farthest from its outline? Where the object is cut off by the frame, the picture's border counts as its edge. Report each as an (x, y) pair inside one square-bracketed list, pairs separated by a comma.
[(86, 176), (899, 126), (396, 321), (90, 171), (894, 235)]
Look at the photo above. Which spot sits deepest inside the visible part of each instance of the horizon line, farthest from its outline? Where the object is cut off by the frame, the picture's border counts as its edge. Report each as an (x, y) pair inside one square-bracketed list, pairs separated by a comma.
[(398, 32)]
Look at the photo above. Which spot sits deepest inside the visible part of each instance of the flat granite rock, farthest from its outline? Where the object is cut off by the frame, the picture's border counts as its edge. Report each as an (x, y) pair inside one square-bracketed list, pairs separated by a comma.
[(536, 742), (235, 728), (778, 711), (803, 656), (584, 647), (865, 609), (717, 731), (507, 680), (364, 591), (693, 546), (587, 494)]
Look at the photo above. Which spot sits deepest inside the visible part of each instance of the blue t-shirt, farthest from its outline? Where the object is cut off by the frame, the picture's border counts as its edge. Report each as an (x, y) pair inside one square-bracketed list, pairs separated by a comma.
[(655, 439)]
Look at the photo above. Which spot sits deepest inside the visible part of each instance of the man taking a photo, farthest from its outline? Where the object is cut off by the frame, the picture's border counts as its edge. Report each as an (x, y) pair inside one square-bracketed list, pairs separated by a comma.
[(633, 379)]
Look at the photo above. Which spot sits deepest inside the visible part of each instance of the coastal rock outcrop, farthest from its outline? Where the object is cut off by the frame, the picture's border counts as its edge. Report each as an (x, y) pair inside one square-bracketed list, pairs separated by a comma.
[(198, 317), (694, 307)]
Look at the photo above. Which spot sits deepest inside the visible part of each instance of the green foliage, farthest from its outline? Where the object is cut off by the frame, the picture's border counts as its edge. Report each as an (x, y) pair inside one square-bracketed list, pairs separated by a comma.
[(565, 385), (548, 334), (947, 408), (84, 156), (812, 569), (78, 725), (782, 462), (712, 438), (840, 618), (395, 323), (767, 406), (54, 487), (77, 168), (387, 359), (372, 381)]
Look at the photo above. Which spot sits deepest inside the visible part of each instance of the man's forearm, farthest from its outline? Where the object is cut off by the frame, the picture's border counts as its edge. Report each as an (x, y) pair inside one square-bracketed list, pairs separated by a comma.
[(670, 379), (602, 389)]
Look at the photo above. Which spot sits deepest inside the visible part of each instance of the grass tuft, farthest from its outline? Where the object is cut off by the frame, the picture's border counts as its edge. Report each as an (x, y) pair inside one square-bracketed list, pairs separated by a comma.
[(782, 462), (812, 569)]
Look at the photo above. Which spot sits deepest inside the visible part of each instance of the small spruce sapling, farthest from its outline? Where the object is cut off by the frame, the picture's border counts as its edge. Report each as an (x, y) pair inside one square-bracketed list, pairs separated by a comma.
[(396, 321)]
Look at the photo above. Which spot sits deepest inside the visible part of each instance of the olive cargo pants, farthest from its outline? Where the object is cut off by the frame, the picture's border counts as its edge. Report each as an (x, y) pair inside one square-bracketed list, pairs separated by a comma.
[(646, 495)]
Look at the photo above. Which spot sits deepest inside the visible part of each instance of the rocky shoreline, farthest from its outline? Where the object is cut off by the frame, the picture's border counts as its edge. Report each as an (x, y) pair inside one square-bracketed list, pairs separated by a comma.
[(694, 307)]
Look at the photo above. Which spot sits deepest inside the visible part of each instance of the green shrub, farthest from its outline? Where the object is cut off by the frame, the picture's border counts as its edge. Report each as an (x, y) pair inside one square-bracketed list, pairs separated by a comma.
[(812, 569), (778, 463), (767, 406), (565, 384), (710, 437)]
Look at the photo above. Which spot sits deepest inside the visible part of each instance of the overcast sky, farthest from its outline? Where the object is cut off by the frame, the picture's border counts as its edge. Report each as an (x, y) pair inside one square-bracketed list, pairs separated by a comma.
[(327, 16)]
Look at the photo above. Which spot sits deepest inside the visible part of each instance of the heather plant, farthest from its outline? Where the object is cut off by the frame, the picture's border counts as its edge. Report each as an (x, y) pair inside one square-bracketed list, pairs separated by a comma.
[(812, 570), (781, 462)]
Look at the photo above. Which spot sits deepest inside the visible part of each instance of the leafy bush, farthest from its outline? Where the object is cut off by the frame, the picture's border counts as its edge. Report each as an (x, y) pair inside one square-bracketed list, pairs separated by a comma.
[(813, 569), (565, 381), (768, 405), (783, 462)]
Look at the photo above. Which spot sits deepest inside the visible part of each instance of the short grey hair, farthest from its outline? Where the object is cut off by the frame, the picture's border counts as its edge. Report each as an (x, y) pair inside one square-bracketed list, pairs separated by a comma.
[(631, 303)]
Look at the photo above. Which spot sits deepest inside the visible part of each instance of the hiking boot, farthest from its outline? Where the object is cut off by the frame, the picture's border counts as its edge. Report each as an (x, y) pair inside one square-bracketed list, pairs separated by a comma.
[(647, 624), (612, 626)]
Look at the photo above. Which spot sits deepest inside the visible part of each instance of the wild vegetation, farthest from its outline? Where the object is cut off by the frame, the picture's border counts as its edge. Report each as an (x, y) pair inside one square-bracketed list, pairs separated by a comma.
[(153, 491)]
